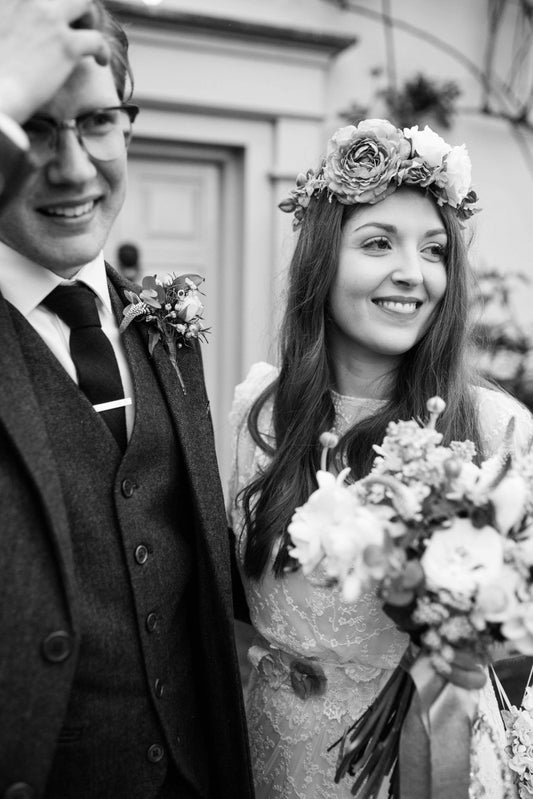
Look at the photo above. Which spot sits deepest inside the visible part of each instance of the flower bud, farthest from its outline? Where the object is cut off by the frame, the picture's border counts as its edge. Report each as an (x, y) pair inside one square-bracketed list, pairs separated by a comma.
[(329, 440), (435, 405), (452, 468), (413, 575)]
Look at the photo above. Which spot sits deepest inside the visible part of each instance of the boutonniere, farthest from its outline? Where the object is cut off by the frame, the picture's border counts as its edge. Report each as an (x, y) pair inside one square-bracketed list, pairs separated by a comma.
[(172, 309)]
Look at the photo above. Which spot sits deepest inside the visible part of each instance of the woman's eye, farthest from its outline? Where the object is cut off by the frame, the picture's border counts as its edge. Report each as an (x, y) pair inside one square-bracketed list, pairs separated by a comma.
[(377, 244), (435, 252)]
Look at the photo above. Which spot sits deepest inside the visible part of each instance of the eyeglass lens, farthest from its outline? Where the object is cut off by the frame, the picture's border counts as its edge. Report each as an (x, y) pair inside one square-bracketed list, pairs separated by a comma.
[(104, 133)]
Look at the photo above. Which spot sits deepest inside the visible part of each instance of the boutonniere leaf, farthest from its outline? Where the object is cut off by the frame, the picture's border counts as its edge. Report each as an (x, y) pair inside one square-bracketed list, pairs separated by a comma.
[(172, 309)]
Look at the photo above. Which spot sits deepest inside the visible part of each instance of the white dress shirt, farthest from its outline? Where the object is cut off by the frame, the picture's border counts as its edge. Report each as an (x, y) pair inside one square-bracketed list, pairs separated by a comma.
[(25, 285)]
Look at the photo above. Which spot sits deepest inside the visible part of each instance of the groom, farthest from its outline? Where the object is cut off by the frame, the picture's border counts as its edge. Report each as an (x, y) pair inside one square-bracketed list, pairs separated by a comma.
[(118, 672)]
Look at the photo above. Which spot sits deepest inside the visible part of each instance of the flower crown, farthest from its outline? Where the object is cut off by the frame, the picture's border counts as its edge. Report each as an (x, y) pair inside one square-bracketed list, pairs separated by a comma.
[(367, 162)]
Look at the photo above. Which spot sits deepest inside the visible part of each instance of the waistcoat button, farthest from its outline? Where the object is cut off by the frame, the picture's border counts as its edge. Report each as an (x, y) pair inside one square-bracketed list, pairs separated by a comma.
[(159, 688), (128, 488), (57, 646), (19, 790), (155, 753), (141, 554), (151, 622)]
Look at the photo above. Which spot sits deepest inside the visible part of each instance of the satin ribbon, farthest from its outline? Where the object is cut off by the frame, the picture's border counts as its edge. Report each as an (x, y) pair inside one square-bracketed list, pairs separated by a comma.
[(435, 739)]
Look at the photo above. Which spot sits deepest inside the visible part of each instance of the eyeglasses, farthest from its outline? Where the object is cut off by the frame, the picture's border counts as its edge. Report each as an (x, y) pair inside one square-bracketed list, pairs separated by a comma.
[(104, 133)]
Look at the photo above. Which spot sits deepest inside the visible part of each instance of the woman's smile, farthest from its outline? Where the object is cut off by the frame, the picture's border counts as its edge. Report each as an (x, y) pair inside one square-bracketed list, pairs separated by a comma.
[(405, 306)]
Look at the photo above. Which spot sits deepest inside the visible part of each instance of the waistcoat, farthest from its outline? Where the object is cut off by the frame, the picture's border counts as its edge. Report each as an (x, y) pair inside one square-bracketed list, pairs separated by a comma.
[(134, 707)]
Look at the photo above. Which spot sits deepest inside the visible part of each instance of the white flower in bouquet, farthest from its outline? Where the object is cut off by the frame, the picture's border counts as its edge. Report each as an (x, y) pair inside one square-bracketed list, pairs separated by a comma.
[(523, 550), (527, 704), (335, 528), (519, 629), (461, 558), (405, 443), (497, 601), (509, 499), (310, 520)]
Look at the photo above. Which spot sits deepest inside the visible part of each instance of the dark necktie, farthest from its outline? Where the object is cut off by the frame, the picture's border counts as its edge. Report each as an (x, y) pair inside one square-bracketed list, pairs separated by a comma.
[(92, 352)]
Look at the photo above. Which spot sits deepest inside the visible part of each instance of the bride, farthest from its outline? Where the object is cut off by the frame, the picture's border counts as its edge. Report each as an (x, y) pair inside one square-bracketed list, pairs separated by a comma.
[(375, 324)]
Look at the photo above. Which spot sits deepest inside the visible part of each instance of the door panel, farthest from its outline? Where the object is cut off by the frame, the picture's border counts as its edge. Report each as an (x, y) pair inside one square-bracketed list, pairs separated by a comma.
[(174, 217)]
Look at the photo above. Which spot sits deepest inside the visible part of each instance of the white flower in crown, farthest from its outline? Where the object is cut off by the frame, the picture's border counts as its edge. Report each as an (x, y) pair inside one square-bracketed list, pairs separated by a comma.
[(428, 145), (458, 175)]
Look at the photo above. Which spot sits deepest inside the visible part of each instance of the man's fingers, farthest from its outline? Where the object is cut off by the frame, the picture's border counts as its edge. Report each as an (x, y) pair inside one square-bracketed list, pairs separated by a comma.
[(92, 43)]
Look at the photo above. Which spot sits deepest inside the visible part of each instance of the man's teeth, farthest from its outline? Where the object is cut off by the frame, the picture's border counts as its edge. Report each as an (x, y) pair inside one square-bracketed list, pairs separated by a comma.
[(72, 211), (397, 307)]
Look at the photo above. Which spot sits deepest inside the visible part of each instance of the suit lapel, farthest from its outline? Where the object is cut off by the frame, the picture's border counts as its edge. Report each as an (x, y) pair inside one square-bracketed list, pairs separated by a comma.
[(191, 419), (21, 416)]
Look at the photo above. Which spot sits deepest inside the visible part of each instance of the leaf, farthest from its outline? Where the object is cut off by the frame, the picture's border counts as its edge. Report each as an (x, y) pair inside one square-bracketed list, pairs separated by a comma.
[(153, 337)]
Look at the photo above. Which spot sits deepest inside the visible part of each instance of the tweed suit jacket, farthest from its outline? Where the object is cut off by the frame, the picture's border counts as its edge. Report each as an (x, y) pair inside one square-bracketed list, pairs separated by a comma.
[(37, 590)]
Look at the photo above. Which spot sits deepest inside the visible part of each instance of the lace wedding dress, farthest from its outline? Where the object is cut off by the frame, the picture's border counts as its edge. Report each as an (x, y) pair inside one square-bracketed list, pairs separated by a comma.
[(356, 645)]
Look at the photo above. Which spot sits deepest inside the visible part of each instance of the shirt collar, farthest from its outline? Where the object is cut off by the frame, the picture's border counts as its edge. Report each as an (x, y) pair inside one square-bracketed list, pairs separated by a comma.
[(25, 283)]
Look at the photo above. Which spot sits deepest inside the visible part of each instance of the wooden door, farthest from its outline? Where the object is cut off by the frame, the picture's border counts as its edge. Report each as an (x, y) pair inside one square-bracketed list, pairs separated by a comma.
[(174, 215)]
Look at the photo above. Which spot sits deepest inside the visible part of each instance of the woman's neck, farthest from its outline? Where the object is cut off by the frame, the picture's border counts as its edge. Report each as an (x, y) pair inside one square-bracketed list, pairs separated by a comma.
[(366, 379)]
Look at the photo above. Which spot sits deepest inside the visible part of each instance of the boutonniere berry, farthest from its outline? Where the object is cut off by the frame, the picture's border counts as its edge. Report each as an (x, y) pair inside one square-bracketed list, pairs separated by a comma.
[(172, 309)]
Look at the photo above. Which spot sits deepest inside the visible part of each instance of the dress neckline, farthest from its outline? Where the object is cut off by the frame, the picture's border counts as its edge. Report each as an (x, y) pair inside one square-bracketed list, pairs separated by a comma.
[(350, 410), (356, 400)]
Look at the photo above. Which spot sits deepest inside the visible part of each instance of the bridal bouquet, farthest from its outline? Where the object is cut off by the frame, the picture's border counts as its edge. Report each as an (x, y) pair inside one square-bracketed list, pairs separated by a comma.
[(448, 547)]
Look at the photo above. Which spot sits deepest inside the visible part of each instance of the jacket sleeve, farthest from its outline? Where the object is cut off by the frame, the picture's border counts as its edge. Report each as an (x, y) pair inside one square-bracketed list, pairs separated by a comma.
[(240, 605)]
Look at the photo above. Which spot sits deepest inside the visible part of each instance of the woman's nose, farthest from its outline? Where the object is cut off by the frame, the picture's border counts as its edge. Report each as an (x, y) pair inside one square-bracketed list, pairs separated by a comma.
[(408, 270), (71, 163)]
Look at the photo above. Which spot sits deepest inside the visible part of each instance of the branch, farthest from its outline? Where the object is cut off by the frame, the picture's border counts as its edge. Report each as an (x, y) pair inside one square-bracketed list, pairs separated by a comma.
[(491, 87)]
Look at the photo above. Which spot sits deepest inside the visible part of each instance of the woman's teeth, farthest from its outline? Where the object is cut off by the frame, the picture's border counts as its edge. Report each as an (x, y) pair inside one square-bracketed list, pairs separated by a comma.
[(397, 307)]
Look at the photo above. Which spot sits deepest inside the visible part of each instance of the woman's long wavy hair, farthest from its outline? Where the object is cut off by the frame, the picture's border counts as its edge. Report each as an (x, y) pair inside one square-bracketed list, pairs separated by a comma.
[(302, 402)]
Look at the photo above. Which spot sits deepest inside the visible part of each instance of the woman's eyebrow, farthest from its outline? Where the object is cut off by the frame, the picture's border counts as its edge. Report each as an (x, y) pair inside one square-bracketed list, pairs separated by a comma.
[(436, 232), (381, 225)]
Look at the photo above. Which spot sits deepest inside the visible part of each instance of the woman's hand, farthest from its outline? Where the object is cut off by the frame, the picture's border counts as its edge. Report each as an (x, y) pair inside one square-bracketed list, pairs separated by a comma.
[(464, 671)]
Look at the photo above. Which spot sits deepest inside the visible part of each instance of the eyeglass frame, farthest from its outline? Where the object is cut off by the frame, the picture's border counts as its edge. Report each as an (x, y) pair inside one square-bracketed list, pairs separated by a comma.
[(73, 124)]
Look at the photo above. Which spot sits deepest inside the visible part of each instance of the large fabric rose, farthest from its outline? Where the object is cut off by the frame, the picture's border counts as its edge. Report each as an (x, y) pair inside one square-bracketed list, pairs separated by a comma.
[(460, 559), (416, 172), (362, 162)]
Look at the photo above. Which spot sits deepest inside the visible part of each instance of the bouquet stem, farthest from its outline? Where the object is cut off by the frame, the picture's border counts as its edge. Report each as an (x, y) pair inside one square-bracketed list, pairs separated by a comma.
[(369, 748)]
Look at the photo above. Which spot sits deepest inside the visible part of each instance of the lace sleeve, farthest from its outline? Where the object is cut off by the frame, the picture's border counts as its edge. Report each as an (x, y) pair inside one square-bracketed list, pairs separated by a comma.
[(496, 409), (244, 449)]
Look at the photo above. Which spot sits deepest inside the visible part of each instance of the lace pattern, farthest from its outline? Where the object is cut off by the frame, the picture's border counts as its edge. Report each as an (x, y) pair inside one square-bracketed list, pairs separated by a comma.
[(355, 645)]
